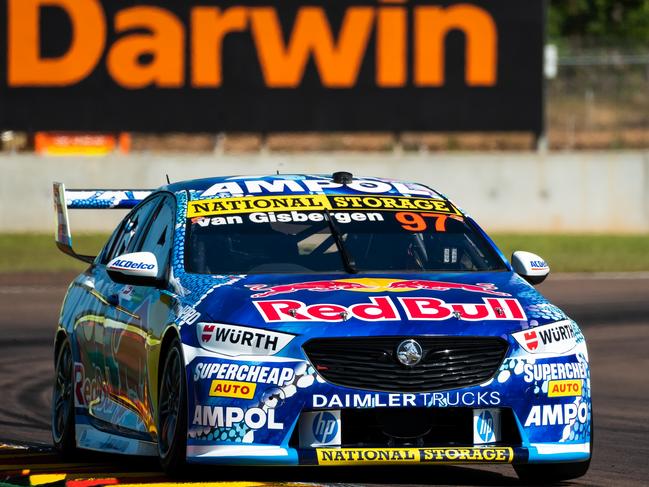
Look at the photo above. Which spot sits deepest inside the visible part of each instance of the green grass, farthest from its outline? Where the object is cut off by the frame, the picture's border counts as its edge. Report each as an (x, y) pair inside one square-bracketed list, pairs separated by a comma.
[(30, 252), (582, 253), (564, 253)]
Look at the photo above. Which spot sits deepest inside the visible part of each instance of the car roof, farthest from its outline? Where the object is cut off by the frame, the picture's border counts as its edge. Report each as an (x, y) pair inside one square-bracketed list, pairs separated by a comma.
[(289, 183)]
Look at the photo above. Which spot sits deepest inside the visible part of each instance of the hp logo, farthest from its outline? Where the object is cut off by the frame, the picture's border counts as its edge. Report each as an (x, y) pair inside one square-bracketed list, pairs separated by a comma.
[(485, 427), (325, 427)]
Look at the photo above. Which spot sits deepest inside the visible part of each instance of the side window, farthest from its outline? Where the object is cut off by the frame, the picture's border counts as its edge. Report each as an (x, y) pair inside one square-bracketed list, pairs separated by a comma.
[(159, 234), (130, 229)]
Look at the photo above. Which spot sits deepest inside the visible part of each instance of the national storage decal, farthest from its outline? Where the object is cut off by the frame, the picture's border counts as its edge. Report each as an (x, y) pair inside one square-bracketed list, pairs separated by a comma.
[(236, 66), (354, 456), (288, 203)]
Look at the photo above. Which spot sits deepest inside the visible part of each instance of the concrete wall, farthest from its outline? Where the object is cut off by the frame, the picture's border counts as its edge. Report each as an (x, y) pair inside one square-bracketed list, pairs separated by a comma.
[(526, 192)]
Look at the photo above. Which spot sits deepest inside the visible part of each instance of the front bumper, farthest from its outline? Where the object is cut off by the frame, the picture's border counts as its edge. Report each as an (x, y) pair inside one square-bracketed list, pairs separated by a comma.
[(253, 413), (263, 455)]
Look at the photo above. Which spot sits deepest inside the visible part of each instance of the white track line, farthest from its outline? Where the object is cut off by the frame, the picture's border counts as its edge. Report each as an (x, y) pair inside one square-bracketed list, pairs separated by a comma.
[(30, 289)]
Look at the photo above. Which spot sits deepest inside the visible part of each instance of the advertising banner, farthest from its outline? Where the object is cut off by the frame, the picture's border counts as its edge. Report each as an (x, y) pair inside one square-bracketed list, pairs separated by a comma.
[(267, 66)]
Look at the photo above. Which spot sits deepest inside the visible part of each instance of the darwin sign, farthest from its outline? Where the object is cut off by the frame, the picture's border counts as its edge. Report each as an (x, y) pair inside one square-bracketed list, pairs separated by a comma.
[(209, 65)]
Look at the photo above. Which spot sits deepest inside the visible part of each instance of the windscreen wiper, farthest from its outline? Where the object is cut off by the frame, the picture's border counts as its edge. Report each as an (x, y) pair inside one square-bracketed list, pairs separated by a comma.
[(348, 262)]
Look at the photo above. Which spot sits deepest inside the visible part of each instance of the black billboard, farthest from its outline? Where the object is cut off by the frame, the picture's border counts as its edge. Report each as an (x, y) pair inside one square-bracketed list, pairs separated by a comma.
[(207, 66)]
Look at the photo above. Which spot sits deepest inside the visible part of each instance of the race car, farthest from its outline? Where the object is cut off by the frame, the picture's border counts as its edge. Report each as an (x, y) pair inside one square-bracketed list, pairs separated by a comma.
[(313, 320)]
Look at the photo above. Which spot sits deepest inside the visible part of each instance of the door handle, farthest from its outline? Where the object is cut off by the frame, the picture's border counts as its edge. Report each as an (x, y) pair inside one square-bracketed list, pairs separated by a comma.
[(113, 299)]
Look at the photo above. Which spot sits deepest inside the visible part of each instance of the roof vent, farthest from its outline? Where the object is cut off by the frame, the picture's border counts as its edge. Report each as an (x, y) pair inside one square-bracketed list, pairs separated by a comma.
[(342, 177)]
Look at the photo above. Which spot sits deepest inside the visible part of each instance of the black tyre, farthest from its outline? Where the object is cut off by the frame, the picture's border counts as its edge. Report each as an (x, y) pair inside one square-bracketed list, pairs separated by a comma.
[(63, 434), (545, 473), (554, 472), (172, 412)]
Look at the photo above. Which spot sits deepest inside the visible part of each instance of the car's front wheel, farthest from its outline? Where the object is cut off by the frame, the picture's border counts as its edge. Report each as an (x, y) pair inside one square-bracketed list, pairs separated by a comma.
[(544, 473), (172, 412), (63, 434), (551, 472)]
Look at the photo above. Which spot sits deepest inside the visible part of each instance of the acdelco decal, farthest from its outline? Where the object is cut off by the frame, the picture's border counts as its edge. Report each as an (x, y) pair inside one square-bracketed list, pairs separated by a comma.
[(236, 340), (556, 337), (353, 456), (385, 309), (337, 57), (127, 264), (228, 388)]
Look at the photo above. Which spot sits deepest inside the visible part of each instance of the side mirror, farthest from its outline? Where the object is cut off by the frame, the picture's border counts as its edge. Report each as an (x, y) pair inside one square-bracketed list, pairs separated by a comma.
[(137, 269), (530, 267)]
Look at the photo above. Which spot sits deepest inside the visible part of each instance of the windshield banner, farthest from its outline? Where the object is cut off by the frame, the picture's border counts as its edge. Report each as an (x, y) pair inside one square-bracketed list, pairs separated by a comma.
[(253, 204)]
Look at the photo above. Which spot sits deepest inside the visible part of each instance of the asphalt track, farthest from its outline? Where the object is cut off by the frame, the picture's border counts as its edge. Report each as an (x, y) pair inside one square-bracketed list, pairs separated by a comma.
[(613, 311)]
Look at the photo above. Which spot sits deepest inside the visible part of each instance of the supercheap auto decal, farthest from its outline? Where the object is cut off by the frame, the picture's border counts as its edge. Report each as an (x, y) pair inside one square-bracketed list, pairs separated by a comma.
[(245, 402)]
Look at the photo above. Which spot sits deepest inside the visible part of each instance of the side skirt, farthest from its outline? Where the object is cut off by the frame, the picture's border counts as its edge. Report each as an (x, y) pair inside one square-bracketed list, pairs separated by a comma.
[(90, 438)]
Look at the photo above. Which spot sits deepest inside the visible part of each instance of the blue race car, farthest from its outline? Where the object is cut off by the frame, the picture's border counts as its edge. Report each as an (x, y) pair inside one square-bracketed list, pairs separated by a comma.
[(313, 320)]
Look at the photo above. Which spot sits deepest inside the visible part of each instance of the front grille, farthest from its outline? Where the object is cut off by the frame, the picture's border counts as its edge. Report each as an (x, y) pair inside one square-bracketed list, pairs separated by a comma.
[(418, 427), (372, 364)]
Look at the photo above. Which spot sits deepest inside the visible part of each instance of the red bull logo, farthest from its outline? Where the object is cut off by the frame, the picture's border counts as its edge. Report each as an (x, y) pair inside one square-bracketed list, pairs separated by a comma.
[(374, 285), (384, 308)]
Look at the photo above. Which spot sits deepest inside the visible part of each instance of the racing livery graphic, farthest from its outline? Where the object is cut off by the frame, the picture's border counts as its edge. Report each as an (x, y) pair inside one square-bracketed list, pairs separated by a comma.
[(313, 320)]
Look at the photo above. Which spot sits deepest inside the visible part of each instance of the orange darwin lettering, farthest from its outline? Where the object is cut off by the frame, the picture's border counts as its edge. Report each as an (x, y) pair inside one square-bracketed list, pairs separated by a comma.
[(391, 50), (164, 42), (210, 26), (405, 44), (432, 24), (26, 67), (337, 62)]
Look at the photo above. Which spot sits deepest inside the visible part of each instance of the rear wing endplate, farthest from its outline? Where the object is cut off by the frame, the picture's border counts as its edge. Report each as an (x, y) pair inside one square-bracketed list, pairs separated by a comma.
[(88, 199)]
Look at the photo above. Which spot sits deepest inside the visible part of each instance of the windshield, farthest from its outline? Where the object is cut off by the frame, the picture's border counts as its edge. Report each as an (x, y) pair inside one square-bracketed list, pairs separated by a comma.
[(227, 236)]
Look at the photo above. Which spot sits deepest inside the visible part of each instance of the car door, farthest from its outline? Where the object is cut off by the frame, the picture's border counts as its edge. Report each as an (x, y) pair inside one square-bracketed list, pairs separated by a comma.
[(136, 318), (123, 241)]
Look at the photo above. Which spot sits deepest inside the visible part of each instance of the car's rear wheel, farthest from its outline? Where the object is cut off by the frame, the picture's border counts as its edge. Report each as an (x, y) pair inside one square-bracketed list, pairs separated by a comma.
[(172, 412), (63, 434)]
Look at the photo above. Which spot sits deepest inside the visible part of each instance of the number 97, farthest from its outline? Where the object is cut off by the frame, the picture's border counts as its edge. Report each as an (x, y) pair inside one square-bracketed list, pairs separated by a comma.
[(415, 222)]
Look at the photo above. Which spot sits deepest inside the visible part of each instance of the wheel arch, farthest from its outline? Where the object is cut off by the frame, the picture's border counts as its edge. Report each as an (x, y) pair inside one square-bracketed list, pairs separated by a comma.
[(61, 336), (167, 338)]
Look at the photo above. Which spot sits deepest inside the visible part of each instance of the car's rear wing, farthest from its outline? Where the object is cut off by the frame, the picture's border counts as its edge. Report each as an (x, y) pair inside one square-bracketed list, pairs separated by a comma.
[(88, 199)]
